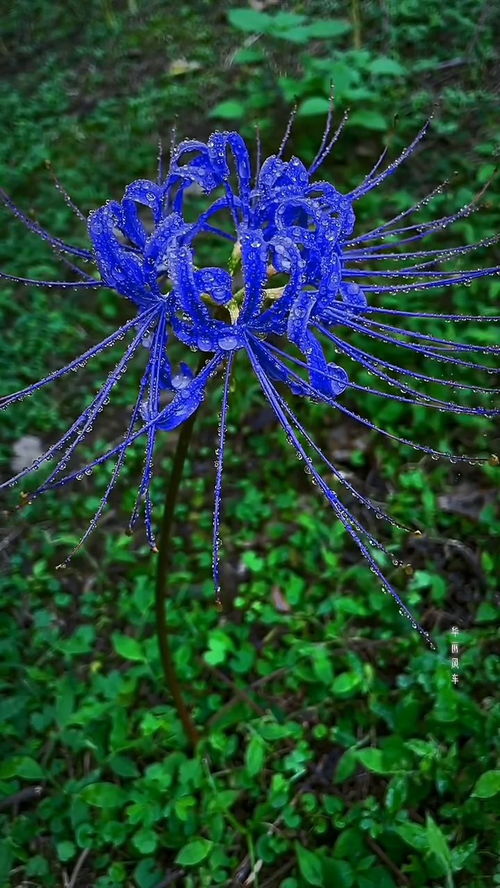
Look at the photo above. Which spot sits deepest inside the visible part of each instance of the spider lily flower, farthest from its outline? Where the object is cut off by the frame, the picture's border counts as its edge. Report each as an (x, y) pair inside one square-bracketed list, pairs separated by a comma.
[(297, 279)]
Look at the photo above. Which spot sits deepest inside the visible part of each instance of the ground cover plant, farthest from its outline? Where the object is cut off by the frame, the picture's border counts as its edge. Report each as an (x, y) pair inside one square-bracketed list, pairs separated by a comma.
[(338, 749)]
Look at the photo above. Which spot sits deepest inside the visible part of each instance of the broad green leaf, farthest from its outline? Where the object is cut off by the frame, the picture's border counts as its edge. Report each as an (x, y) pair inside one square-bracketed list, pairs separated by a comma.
[(313, 106), (145, 840), (396, 793), (322, 666), (350, 844), (65, 850), (250, 55), (414, 835), (346, 766), (65, 702), (229, 110), (309, 865), (249, 20), (21, 766), (338, 873), (341, 77), (437, 842), (386, 65), (369, 120), (324, 28), (255, 755), (194, 852), (225, 799), (376, 877), (486, 612), (123, 766), (345, 683), (488, 785), (288, 19), (6, 857), (300, 34), (128, 648), (104, 795), (146, 873)]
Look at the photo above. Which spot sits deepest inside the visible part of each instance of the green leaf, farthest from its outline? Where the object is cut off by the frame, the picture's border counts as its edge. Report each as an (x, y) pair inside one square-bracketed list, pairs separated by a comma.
[(486, 613), (21, 766), (396, 794), (373, 760), (488, 785), (229, 110), (486, 171), (65, 850), (345, 683), (324, 28), (350, 844), (128, 648), (65, 702), (145, 840), (255, 755), (104, 795), (341, 77), (146, 873), (376, 877), (225, 799), (386, 65), (414, 835), (123, 766), (194, 852), (339, 873), (346, 766), (437, 843), (300, 34), (309, 865), (249, 20), (288, 19), (313, 106), (250, 55), (322, 666), (81, 642), (369, 120), (6, 857)]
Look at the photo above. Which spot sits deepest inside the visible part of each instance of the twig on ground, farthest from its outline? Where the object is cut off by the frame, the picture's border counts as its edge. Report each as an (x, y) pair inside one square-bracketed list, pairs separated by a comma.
[(31, 793), (78, 865), (403, 880), (239, 693)]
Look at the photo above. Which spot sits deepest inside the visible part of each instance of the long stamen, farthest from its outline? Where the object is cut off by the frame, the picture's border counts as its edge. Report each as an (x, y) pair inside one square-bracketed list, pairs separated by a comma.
[(347, 321), (155, 367), (335, 402), (218, 479), (61, 285), (405, 372), (326, 151), (114, 478), (78, 363), (89, 415), (67, 197), (374, 183), (424, 400), (342, 513), (288, 130), (208, 371), (41, 232)]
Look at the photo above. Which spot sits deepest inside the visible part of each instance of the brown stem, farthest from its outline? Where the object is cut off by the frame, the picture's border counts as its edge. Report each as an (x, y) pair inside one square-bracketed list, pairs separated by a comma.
[(356, 24), (164, 550)]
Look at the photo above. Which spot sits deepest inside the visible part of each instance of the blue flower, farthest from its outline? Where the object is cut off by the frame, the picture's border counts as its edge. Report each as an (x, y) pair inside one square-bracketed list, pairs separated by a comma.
[(298, 277)]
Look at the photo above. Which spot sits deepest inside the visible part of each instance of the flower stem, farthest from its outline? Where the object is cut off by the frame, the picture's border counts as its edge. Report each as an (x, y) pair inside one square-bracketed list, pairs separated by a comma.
[(164, 552)]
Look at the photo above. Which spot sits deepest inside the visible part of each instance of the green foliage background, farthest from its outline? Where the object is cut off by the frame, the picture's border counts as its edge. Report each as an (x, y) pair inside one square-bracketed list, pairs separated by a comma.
[(337, 750)]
